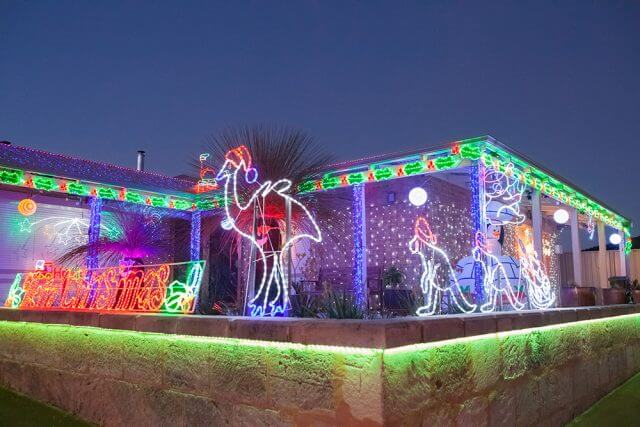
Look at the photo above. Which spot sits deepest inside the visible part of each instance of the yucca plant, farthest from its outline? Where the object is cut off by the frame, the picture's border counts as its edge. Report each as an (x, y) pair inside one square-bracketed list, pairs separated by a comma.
[(305, 305), (341, 305), (393, 277), (140, 238), (277, 152)]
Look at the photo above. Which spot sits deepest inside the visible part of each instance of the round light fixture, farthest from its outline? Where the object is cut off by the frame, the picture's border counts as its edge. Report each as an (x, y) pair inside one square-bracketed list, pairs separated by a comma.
[(27, 207), (561, 216), (417, 196), (615, 239)]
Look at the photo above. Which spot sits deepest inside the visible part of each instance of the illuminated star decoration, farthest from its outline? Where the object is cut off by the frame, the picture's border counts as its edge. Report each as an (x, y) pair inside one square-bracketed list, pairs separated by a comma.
[(64, 230)]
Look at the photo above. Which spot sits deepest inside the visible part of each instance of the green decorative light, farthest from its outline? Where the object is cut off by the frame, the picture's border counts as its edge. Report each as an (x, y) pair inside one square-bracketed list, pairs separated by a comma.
[(205, 204), (107, 193), (329, 182), (158, 202), (77, 189), (470, 151), (182, 204), (355, 178), (134, 197), (307, 186), (414, 168), (44, 183), (382, 174), (11, 176), (447, 162)]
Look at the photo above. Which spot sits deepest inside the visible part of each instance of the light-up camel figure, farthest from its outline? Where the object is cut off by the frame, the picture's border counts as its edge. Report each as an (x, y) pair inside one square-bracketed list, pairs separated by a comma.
[(538, 283), (496, 279), (272, 286), (432, 281)]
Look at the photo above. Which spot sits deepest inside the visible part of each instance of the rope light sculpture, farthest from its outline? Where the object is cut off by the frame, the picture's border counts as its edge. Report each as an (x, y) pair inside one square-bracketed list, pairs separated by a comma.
[(271, 287), (433, 282)]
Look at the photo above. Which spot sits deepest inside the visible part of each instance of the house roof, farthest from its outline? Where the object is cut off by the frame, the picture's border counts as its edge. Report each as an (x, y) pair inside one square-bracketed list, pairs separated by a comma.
[(44, 162), (455, 154)]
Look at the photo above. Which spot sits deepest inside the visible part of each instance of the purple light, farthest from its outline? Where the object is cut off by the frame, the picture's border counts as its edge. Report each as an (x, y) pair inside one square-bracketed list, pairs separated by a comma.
[(477, 186), (94, 231), (359, 245), (196, 221)]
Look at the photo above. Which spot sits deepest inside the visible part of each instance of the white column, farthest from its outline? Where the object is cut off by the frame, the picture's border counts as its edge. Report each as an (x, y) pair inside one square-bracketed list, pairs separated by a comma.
[(575, 248), (602, 256), (536, 220), (623, 256)]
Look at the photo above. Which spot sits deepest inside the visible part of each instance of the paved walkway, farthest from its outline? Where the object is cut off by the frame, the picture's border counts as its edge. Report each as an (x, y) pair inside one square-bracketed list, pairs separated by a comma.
[(621, 407), (19, 411)]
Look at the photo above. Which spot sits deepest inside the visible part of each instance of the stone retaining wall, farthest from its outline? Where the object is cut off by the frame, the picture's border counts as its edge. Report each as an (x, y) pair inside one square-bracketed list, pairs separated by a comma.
[(126, 377)]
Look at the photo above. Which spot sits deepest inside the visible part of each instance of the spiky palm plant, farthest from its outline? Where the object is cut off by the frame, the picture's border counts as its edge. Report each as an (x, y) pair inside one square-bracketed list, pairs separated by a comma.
[(277, 152), (140, 238)]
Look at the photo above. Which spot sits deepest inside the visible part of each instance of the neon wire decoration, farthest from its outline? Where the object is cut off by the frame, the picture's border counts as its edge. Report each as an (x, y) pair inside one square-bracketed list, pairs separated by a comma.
[(496, 279), (503, 275), (65, 230), (271, 287), (538, 283), (433, 282), (138, 288), (27, 207)]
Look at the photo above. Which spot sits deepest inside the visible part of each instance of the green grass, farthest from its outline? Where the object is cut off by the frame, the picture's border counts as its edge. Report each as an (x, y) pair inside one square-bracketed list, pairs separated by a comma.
[(19, 411), (621, 407)]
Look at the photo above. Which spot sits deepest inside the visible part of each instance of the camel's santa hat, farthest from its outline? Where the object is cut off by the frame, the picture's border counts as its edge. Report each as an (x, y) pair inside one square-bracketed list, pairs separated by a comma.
[(423, 232), (238, 157)]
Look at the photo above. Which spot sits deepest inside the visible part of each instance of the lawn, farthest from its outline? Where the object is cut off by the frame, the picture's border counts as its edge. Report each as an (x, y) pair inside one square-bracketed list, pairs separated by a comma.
[(19, 411), (621, 407)]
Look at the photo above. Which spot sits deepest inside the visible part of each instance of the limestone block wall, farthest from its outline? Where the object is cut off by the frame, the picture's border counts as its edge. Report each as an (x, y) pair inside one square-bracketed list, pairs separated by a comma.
[(117, 378), (487, 376), (547, 376)]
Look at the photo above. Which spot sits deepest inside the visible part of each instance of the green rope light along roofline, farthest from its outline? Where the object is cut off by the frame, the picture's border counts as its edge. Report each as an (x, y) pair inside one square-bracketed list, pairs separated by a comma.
[(54, 184), (459, 154)]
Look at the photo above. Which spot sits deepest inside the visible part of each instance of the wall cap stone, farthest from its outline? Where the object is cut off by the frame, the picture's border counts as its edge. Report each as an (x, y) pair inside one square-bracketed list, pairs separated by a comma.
[(377, 333)]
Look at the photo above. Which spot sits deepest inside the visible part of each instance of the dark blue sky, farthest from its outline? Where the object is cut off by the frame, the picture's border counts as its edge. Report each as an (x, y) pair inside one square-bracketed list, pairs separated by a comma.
[(558, 81)]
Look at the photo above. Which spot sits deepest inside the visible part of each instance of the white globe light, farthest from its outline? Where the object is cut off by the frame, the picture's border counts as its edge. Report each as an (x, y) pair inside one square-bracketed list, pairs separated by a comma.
[(417, 196), (561, 216), (615, 239)]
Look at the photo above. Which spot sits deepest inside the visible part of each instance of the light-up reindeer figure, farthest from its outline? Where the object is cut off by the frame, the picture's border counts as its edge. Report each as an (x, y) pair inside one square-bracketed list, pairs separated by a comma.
[(496, 279), (538, 283), (432, 281), (272, 287)]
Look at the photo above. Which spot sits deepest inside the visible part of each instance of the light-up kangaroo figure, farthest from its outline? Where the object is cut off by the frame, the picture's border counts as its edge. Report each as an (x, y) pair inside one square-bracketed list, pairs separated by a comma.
[(496, 279), (432, 281), (272, 286)]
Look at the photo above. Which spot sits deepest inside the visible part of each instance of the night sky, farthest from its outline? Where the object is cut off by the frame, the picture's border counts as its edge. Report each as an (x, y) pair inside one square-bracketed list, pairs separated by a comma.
[(558, 81)]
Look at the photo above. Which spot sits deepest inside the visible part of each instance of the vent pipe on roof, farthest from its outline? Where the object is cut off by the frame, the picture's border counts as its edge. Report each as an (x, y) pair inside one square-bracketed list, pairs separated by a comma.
[(140, 165)]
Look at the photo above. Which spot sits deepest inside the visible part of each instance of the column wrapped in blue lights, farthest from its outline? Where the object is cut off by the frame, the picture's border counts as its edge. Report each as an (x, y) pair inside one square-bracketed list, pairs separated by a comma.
[(477, 212), (196, 223), (95, 214), (359, 272)]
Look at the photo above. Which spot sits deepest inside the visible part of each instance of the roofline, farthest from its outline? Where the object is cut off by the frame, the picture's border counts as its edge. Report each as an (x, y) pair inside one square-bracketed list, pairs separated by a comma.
[(546, 170), (367, 170)]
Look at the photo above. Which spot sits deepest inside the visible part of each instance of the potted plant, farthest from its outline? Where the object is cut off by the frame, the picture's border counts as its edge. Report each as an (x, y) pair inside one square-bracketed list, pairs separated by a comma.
[(393, 277)]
